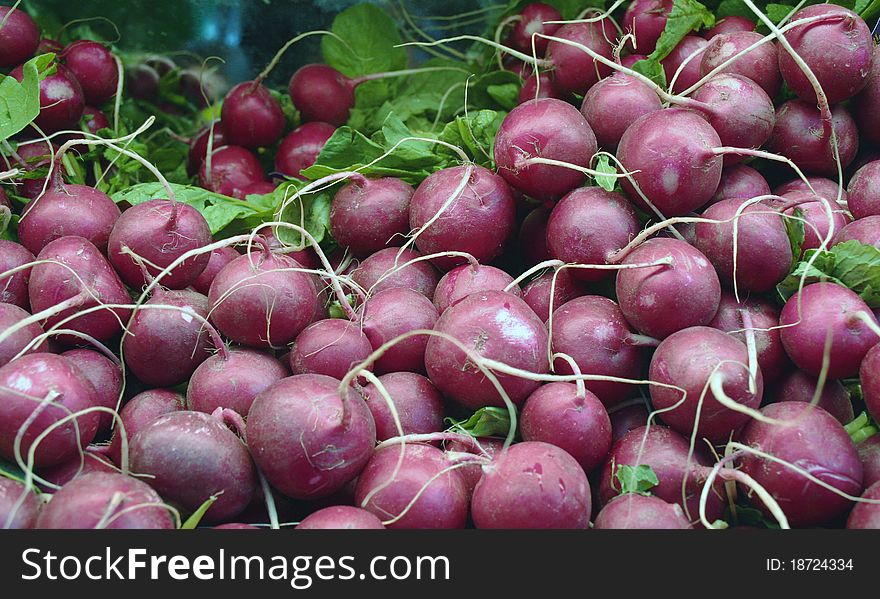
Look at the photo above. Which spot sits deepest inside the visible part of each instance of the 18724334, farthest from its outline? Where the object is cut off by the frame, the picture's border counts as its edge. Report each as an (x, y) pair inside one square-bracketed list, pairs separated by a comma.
[(810, 564)]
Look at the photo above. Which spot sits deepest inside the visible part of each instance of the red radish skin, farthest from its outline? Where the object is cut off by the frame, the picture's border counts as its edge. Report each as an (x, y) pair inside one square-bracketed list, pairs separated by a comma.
[(672, 150), (251, 117), (807, 318), (801, 135), (614, 103), (164, 347), (90, 461), (814, 210), (95, 69), (331, 346), (588, 226), (593, 331), (233, 170), (534, 19), (834, 399), (630, 60), (443, 503), (24, 383), (198, 146), (814, 441), (627, 418), (105, 500), (258, 188), (764, 315), (537, 293), (480, 220), (731, 24), (140, 411), (300, 149), (531, 90), (641, 512), (14, 288), (660, 300), (489, 447), (219, 258), (368, 215), (532, 238), (759, 65), (12, 516), (740, 182), (232, 379), (375, 274), (68, 210), (19, 37), (105, 375), (192, 456), (869, 455), (142, 82), (305, 440), (94, 120), (866, 515), (10, 315), (418, 404), (61, 100), (395, 312), (53, 283), (575, 71), (462, 281), (838, 50), (646, 19), (691, 46), (494, 325), (263, 303), (865, 103), (863, 191), (557, 415), (513, 493), (546, 128), (820, 185), (864, 230), (871, 381), (321, 93), (340, 517)]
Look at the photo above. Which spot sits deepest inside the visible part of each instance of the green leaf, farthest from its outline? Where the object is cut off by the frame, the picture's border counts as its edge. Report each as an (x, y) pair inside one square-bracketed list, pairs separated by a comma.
[(475, 134), (196, 517), (747, 515), (777, 12), (11, 470), (686, 16), (795, 229), (733, 8), (652, 69), (851, 264), (603, 165), (370, 36), (310, 211), (20, 102), (636, 479), (485, 422), (497, 90)]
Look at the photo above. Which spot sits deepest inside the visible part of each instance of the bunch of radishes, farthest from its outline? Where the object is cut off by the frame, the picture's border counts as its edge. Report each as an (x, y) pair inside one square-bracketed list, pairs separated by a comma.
[(511, 348)]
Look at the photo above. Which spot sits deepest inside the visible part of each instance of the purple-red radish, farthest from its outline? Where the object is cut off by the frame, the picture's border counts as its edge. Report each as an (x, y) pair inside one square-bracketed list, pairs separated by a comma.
[(486, 447), (740, 182), (869, 455), (90, 461), (141, 410), (593, 332), (257, 188), (158, 232), (105, 500), (394, 312), (731, 24), (464, 280), (439, 499), (838, 50), (14, 288), (233, 170), (191, 456), (626, 418), (863, 191), (660, 300), (332, 347), (614, 103), (631, 59), (537, 293), (588, 226), (575, 71), (646, 20), (54, 388), (864, 105), (512, 492), (834, 398), (94, 120), (53, 284), (104, 374), (494, 325), (690, 48), (10, 315), (61, 100), (307, 440), (533, 20), (261, 300), (418, 404), (142, 82), (559, 414), (16, 514), (198, 146), (232, 379), (300, 149), (19, 37), (812, 440), (251, 117), (219, 258), (868, 374), (539, 86), (532, 237), (671, 150), (321, 93), (480, 219), (68, 210), (764, 317), (801, 135), (95, 69), (814, 212), (827, 312), (382, 271), (340, 517), (864, 230), (759, 64), (368, 215), (866, 515), (820, 185), (642, 512), (544, 129)]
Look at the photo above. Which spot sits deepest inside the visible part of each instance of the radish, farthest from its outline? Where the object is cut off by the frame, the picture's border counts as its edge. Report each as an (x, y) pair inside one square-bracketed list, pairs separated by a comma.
[(689, 49), (866, 515), (61, 100), (251, 117), (532, 237), (646, 19), (140, 411), (533, 20), (864, 104), (142, 82), (219, 258), (300, 149), (539, 86), (418, 404), (494, 325), (89, 461), (15, 516), (869, 456), (233, 170), (575, 71), (814, 211), (625, 418), (834, 398), (537, 293), (740, 182), (759, 64), (306, 439), (635, 511), (198, 146), (340, 517), (464, 280), (10, 315), (94, 120), (232, 379), (331, 346), (801, 135), (864, 230), (14, 287), (106, 377), (614, 103), (870, 381), (19, 37), (385, 270), (321, 93), (94, 67), (820, 186), (368, 215), (863, 191), (730, 24), (394, 312)]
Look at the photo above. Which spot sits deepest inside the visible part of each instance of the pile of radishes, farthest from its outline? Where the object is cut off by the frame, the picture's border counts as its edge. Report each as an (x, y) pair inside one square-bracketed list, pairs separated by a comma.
[(625, 324)]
